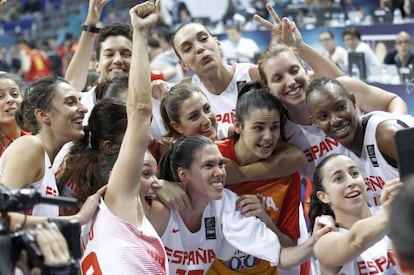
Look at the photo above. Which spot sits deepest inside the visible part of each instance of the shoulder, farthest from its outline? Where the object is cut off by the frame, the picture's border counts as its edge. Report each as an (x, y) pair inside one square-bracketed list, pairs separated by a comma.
[(254, 72), (186, 80), (27, 145)]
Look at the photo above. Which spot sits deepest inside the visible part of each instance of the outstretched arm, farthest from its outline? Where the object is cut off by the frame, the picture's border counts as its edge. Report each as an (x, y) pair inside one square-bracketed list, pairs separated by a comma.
[(77, 70), (285, 31), (123, 187), (286, 160), (370, 98), (335, 249)]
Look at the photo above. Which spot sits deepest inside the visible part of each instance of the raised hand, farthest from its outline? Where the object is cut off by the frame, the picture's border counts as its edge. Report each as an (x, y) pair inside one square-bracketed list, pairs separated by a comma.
[(251, 205), (2, 5), (389, 191), (283, 31), (145, 15), (95, 11)]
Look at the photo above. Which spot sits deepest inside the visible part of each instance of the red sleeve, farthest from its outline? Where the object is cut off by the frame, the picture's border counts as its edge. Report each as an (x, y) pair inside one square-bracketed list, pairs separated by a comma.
[(288, 221)]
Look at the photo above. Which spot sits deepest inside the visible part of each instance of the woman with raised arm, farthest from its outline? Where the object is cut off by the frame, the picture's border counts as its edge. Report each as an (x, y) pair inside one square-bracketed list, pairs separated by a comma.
[(360, 244), (120, 240), (284, 74)]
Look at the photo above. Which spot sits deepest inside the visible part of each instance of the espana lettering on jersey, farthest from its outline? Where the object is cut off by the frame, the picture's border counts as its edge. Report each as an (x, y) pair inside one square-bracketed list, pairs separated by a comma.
[(319, 150)]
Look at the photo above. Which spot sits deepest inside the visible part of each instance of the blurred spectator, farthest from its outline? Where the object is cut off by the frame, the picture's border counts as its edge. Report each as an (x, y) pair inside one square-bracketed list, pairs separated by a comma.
[(402, 55), (353, 43), (236, 48), (335, 53), (180, 13), (401, 222), (31, 6), (4, 65), (112, 17), (50, 47), (14, 59), (12, 11), (166, 62), (34, 62), (66, 50), (403, 5), (154, 48)]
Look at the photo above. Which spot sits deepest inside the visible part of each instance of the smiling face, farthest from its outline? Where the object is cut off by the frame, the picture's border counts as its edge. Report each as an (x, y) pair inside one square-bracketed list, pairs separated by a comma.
[(333, 111), (149, 182), (114, 57), (66, 113), (259, 135), (197, 48), (206, 177), (10, 100), (196, 117), (344, 186), (286, 78)]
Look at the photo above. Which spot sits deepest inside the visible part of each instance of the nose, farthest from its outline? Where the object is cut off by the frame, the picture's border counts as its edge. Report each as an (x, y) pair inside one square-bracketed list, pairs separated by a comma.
[(267, 134), (335, 120), (205, 118), (155, 185), (10, 99), (82, 108), (199, 48), (219, 171), (290, 80), (117, 58)]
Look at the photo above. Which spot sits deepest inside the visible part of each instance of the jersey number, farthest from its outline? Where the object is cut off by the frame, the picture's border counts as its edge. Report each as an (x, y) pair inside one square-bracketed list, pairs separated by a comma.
[(90, 265)]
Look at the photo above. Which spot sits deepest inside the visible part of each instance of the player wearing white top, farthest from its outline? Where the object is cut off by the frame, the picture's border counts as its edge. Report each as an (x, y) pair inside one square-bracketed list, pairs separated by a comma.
[(124, 183), (372, 143), (361, 245), (224, 104), (45, 186), (376, 167)]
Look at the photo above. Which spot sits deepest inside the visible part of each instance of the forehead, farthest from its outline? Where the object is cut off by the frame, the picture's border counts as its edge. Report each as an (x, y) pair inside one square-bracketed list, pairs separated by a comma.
[(116, 42), (7, 83), (281, 60), (208, 152), (188, 33), (194, 101), (261, 114), (337, 163), (403, 36), (324, 35), (328, 91), (64, 89), (149, 159)]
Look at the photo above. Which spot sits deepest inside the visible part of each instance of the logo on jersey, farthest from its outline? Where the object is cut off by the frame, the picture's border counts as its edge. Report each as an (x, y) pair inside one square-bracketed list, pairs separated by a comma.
[(371, 154), (175, 230), (210, 225)]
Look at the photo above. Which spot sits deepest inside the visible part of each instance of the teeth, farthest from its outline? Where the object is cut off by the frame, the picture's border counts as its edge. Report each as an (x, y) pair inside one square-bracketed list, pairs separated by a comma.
[(294, 92), (217, 184), (353, 194)]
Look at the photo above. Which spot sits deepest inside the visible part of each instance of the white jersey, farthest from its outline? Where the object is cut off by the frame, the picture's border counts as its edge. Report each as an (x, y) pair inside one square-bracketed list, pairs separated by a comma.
[(46, 187), (314, 143), (372, 164), (89, 100), (114, 246), (224, 104), (223, 231), (377, 259)]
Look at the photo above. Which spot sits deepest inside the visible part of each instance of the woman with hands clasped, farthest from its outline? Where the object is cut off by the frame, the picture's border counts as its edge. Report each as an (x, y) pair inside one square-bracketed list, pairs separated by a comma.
[(360, 244)]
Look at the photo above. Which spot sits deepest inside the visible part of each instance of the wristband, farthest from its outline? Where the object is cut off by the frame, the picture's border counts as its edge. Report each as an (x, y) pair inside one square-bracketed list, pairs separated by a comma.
[(91, 29)]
